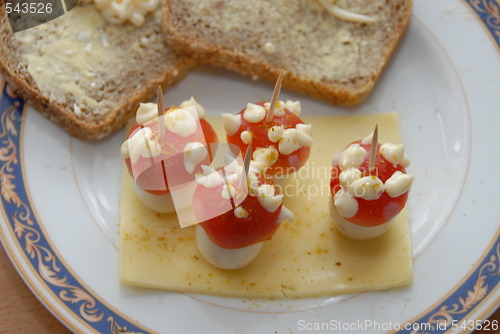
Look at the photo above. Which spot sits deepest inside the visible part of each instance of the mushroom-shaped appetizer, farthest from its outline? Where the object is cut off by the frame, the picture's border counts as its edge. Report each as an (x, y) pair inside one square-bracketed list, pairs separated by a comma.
[(234, 238), (272, 124), (369, 186), (180, 145)]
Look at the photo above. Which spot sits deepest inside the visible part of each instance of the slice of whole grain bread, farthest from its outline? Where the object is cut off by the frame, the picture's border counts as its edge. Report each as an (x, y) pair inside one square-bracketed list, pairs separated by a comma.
[(85, 74), (324, 56)]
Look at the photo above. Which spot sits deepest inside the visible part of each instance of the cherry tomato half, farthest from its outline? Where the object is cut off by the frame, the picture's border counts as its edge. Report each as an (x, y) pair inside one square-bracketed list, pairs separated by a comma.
[(229, 231), (383, 209), (286, 163), (149, 178)]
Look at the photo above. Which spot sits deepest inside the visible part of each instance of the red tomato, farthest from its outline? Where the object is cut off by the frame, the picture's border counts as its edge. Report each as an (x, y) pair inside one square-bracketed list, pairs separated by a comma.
[(153, 177), (286, 163), (383, 209), (228, 231)]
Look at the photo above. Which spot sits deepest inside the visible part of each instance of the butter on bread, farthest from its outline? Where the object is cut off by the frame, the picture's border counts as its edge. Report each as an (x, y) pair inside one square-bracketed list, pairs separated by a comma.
[(324, 56), (86, 74)]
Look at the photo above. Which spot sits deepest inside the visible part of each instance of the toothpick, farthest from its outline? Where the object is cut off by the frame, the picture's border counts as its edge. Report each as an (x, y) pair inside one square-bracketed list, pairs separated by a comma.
[(226, 182), (161, 112), (246, 163), (276, 94), (373, 149)]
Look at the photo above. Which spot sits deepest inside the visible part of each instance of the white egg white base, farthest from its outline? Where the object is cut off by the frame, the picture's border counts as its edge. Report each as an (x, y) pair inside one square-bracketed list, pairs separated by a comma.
[(355, 231), (225, 258), (158, 203)]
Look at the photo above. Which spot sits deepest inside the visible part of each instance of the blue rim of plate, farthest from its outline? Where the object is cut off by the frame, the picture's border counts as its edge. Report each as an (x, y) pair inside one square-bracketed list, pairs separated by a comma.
[(22, 222), (488, 13)]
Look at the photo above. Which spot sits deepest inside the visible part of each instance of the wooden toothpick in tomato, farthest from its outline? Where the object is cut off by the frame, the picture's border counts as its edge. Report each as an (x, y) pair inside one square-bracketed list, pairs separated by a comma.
[(369, 194)]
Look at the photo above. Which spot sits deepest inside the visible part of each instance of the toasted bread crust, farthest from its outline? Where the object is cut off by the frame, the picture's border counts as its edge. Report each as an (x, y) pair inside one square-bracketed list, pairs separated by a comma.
[(88, 127), (180, 36)]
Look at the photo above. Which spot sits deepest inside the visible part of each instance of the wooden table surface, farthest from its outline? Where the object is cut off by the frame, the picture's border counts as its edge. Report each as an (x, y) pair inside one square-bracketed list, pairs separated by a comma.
[(21, 312)]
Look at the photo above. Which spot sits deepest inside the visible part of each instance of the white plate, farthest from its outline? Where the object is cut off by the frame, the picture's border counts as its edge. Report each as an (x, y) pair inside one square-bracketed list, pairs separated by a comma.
[(60, 199)]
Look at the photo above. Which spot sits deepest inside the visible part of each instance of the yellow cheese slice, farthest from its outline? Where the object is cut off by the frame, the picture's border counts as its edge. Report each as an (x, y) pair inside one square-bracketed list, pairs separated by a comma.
[(306, 257)]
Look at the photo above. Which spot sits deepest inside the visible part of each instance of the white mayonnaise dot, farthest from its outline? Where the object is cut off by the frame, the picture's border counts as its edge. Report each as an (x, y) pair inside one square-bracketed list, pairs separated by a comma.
[(353, 156), (210, 177), (398, 184), (294, 138), (294, 107), (289, 142), (279, 110), (231, 123), (146, 112), (395, 154), (347, 206), (304, 134), (182, 122), (368, 139), (194, 154), (142, 144), (240, 212), (275, 133), (267, 199), (246, 137), (254, 113), (285, 214), (367, 187), (192, 102), (348, 176), (266, 155), (124, 150)]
